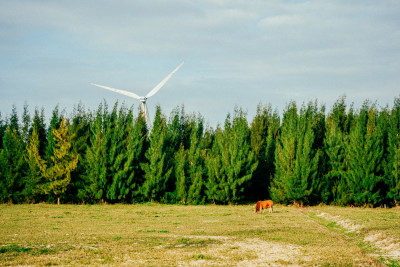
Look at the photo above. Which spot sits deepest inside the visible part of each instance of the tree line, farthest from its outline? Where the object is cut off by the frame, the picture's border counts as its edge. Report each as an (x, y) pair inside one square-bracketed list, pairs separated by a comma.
[(345, 156)]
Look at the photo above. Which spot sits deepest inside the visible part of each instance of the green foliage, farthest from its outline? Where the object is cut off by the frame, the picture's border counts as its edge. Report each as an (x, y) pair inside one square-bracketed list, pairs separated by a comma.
[(392, 172), (231, 163), (296, 179), (57, 172), (364, 157), (349, 157), (34, 176), (12, 167), (263, 133), (157, 171)]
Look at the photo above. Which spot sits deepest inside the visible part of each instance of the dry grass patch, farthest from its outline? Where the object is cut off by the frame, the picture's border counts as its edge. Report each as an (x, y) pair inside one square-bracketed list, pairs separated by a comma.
[(153, 234)]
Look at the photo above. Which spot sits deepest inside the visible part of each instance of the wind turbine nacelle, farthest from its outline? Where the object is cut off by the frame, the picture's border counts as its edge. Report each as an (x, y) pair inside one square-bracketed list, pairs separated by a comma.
[(143, 99)]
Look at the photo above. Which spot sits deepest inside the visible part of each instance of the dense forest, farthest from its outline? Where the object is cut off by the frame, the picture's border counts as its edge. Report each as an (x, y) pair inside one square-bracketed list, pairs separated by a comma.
[(343, 156)]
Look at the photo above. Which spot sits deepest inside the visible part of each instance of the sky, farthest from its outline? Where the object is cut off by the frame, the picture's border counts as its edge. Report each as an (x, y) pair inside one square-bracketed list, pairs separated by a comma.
[(236, 53)]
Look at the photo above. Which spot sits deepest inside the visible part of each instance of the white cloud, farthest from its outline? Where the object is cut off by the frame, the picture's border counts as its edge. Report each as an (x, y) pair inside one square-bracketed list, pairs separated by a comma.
[(278, 51)]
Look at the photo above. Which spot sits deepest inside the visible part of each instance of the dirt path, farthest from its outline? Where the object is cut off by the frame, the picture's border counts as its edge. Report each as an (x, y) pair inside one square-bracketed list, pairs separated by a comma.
[(388, 246)]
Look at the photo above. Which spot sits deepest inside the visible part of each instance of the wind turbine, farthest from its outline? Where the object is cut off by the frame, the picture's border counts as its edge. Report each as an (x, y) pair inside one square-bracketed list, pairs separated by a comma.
[(142, 99)]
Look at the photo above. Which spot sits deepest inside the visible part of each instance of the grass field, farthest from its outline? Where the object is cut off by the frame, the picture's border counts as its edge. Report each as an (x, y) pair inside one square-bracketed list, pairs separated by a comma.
[(154, 234)]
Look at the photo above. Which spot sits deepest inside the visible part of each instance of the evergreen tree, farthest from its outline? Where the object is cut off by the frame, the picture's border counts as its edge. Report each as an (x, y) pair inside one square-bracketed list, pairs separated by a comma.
[(335, 189), (26, 120), (189, 166), (263, 131), (296, 178), (96, 157), (54, 124), (364, 152), (126, 153), (38, 122), (233, 154), (80, 130), (157, 171), (34, 176), (3, 127), (63, 162), (13, 166), (392, 172)]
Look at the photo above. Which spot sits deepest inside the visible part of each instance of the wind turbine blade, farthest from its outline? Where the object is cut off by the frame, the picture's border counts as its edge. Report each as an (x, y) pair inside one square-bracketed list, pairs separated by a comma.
[(122, 92), (161, 84)]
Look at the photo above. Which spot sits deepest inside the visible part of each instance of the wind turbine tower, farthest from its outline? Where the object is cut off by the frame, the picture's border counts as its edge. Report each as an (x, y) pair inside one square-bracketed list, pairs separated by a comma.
[(142, 99)]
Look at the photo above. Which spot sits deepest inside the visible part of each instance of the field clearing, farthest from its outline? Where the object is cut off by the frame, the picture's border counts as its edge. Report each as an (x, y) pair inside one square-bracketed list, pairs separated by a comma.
[(155, 234)]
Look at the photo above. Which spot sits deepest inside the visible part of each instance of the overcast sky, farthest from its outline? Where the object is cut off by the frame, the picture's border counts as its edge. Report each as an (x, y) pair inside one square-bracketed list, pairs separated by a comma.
[(236, 53)]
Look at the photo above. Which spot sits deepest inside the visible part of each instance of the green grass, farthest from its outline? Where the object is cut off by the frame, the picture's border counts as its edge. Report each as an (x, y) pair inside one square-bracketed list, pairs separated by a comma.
[(154, 234)]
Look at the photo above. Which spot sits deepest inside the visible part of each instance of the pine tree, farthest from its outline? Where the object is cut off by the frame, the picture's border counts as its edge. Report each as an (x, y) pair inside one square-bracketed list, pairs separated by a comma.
[(38, 122), (364, 152), (63, 162), (296, 178), (3, 127), (189, 165), (232, 152), (157, 171), (34, 176), (263, 133), (50, 142), (96, 157), (182, 180), (26, 120), (80, 131), (13, 166), (335, 189), (392, 173), (12, 161), (126, 154)]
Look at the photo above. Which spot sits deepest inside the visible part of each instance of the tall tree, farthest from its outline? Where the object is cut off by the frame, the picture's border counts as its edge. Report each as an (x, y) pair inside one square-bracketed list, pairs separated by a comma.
[(263, 132), (96, 156), (13, 166), (157, 171), (296, 178), (392, 172), (189, 165), (232, 152), (63, 162), (34, 176), (12, 161), (335, 189), (54, 124), (364, 152), (80, 131)]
